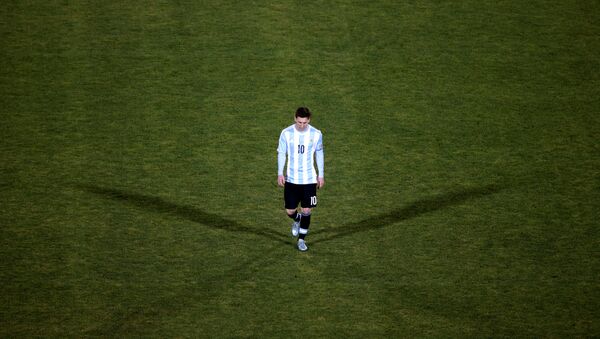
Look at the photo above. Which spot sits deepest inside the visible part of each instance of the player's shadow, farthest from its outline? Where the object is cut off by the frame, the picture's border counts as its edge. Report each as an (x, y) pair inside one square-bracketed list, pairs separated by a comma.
[(159, 205), (409, 211)]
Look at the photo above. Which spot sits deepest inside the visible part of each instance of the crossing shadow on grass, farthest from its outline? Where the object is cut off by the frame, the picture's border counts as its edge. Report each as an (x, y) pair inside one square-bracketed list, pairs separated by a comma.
[(159, 205), (409, 211)]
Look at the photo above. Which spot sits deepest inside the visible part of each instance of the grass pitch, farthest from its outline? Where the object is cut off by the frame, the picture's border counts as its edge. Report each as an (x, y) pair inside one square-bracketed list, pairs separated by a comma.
[(138, 169)]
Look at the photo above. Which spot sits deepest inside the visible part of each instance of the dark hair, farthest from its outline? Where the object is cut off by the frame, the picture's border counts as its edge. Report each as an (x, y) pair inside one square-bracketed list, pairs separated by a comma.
[(303, 112)]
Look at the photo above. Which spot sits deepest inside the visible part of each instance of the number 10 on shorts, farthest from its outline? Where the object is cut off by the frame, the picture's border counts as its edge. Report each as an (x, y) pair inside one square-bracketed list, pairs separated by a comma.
[(313, 200)]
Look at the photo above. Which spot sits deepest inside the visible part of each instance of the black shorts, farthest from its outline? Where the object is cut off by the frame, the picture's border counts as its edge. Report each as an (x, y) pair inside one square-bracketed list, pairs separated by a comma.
[(305, 195)]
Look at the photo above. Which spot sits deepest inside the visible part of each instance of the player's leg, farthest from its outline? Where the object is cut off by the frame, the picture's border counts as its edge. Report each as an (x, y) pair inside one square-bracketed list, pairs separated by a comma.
[(292, 199), (304, 222), (295, 216), (309, 201)]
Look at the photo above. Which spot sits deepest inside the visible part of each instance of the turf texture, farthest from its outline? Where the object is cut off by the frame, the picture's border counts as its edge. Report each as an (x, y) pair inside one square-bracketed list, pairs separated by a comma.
[(138, 193)]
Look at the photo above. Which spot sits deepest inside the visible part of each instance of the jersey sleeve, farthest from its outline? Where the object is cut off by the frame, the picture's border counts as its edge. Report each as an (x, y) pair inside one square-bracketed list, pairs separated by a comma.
[(320, 157), (281, 152), (282, 148), (319, 146)]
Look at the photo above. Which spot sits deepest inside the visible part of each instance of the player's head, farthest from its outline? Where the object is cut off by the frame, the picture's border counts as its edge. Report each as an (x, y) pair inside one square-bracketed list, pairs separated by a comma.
[(303, 112), (302, 118)]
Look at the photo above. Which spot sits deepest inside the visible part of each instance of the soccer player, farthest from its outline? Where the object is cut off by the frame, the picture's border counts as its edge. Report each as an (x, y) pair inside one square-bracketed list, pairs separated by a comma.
[(303, 145)]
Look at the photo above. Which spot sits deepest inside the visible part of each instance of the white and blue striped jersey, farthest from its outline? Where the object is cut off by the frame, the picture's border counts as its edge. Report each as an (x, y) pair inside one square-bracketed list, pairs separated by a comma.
[(301, 148)]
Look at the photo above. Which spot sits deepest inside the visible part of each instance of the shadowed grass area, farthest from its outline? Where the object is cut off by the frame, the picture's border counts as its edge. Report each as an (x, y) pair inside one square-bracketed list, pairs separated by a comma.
[(412, 210), (158, 205)]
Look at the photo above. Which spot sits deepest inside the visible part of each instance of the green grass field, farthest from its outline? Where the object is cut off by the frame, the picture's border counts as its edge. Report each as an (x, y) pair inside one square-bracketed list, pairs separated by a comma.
[(138, 193)]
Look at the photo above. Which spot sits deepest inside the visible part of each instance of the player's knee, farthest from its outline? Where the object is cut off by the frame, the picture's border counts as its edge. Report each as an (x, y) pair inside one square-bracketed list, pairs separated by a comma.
[(306, 211)]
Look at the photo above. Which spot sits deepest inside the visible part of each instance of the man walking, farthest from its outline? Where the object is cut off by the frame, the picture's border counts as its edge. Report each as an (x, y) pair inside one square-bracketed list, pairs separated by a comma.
[(303, 145)]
